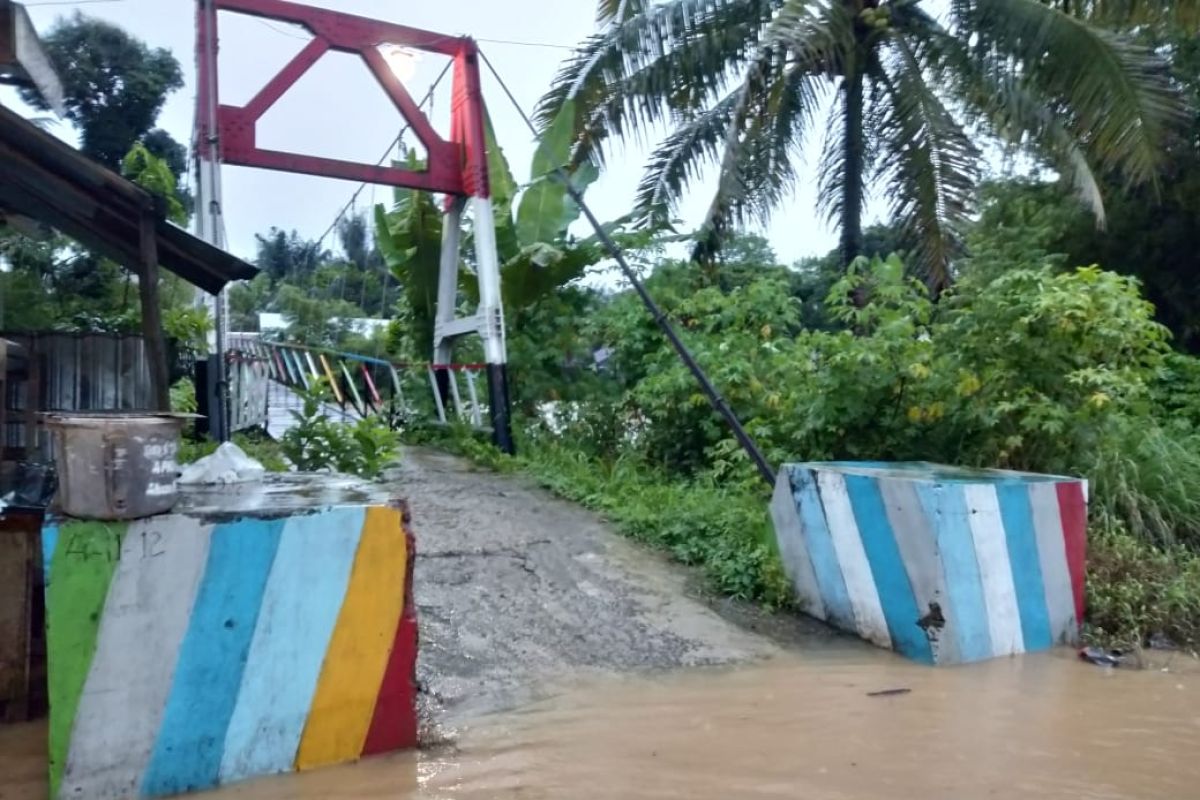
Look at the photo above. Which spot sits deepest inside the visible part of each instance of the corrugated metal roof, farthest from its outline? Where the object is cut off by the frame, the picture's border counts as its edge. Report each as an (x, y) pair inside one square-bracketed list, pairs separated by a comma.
[(44, 178)]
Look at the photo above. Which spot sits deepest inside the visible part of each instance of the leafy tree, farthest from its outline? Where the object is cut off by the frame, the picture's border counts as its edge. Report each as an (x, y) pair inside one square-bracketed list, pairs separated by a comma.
[(285, 255), (908, 91), (154, 174), (354, 235), (162, 145), (115, 85), (1152, 232), (311, 319), (247, 299)]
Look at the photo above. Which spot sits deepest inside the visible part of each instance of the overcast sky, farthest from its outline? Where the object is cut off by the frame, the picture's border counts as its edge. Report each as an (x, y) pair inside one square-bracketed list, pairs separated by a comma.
[(337, 109)]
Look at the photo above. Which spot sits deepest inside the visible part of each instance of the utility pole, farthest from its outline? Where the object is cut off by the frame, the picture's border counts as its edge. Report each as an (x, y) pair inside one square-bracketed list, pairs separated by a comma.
[(210, 225)]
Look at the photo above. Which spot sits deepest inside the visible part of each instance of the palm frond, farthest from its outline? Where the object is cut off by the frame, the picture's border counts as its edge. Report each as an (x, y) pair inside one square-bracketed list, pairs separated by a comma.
[(831, 173), (931, 164), (1130, 13), (758, 164), (610, 11), (682, 156), (998, 102), (771, 112), (671, 57), (1112, 94)]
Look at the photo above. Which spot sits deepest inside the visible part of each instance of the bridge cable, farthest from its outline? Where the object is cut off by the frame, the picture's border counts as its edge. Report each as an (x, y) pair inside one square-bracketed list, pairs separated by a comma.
[(714, 397), (427, 98)]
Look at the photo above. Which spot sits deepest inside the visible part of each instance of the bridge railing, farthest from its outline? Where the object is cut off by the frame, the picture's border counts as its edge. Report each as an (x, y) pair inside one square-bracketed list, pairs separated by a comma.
[(399, 392)]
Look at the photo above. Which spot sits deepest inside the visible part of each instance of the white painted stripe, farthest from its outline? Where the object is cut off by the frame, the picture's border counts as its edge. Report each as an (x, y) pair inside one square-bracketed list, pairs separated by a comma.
[(856, 571), (1052, 552), (145, 618), (995, 571), (793, 550)]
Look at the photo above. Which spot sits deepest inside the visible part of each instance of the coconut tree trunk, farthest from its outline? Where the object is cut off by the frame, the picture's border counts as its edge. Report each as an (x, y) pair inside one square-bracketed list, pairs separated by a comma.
[(853, 164)]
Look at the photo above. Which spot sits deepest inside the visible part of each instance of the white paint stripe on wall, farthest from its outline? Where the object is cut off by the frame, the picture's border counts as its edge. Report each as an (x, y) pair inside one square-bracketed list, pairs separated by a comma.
[(856, 570), (995, 571), (146, 615), (793, 549), (1052, 552)]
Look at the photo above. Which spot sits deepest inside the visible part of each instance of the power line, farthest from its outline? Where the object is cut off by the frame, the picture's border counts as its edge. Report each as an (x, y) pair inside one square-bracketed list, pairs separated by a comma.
[(70, 2), (281, 31), (527, 44), (685, 355)]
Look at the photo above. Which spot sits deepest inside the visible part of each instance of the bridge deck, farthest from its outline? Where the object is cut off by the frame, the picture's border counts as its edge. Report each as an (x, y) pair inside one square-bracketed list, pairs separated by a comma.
[(282, 401)]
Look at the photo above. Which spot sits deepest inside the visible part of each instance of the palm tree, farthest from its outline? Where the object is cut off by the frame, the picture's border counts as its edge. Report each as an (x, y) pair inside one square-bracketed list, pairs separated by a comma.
[(741, 83)]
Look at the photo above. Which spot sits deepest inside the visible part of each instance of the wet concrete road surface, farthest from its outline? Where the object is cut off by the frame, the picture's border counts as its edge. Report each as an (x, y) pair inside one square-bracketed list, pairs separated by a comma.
[(518, 592)]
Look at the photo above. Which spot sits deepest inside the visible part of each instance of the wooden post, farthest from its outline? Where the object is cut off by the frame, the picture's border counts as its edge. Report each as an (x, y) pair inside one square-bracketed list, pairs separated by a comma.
[(152, 331), (33, 398)]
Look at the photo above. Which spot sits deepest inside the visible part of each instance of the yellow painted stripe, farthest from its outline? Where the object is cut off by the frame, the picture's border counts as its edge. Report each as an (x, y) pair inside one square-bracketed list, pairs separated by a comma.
[(329, 374), (358, 652)]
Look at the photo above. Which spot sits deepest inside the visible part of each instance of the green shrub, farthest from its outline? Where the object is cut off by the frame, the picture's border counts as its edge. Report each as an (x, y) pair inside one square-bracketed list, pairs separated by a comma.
[(699, 522), (1176, 392), (1136, 590), (183, 397), (364, 447)]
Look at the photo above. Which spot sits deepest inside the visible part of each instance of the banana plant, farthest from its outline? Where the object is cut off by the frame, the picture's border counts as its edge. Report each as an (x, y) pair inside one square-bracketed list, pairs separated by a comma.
[(537, 253)]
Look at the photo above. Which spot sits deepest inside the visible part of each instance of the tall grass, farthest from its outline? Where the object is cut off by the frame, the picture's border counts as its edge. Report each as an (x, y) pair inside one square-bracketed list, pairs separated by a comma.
[(1146, 479)]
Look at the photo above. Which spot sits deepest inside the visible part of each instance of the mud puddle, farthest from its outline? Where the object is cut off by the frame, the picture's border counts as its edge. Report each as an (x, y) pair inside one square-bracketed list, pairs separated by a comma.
[(824, 728)]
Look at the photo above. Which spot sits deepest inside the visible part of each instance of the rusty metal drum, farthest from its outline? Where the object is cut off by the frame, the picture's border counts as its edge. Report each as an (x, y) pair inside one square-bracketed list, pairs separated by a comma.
[(114, 466)]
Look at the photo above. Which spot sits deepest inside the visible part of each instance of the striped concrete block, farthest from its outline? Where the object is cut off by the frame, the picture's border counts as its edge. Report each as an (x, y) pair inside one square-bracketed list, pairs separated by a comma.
[(186, 653), (942, 564)]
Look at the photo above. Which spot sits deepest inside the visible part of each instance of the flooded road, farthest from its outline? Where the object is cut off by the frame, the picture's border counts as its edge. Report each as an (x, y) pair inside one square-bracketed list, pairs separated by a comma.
[(1030, 727), (562, 661)]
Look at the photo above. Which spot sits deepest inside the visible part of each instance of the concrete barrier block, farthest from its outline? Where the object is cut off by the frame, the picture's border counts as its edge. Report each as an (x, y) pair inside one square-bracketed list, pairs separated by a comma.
[(187, 651), (942, 564)]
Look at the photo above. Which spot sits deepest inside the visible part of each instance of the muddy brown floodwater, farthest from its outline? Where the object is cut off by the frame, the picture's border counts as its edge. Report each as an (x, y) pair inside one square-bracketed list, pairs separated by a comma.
[(1041, 726), (561, 661)]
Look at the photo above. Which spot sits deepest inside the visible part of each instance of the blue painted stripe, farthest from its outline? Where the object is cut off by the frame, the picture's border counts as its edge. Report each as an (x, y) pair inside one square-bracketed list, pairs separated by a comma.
[(946, 506), (49, 543), (299, 610), (291, 359), (887, 568), (1017, 514), (187, 754), (838, 609)]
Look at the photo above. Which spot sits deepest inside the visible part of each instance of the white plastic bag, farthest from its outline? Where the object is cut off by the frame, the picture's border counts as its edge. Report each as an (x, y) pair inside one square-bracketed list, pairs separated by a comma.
[(229, 464)]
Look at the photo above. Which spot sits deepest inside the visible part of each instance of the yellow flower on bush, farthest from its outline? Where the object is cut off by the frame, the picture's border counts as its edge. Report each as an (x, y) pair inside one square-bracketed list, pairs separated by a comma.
[(968, 385), (919, 371)]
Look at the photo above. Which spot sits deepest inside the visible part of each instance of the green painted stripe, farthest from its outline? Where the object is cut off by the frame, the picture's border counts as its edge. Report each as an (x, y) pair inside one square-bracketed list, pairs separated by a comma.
[(85, 558)]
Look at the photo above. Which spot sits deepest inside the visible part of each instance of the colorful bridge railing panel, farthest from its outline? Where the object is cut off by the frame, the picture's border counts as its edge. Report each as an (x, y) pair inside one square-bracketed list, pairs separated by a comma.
[(185, 654), (368, 385), (943, 565)]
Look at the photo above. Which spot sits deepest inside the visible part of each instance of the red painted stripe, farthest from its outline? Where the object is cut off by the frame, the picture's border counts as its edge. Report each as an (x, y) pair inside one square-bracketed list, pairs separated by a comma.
[(1073, 511), (394, 721), (371, 385)]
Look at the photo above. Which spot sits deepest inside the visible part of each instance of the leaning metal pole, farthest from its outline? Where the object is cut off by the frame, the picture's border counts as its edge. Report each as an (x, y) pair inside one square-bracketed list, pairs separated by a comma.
[(209, 224), (714, 397)]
